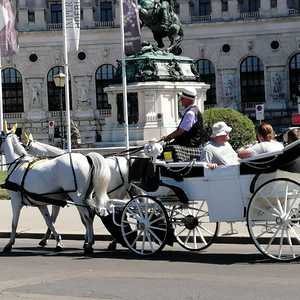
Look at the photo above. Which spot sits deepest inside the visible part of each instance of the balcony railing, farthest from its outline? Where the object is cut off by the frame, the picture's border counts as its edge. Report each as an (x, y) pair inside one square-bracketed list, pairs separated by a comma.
[(201, 19), (250, 15), (105, 112), (16, 115), (55, 114), (103, 24), (294, 12), (54, 26)]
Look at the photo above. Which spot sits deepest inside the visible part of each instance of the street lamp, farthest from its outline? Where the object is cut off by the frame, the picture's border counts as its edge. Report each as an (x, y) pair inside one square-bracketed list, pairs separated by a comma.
[(298, 98), (59, 80)]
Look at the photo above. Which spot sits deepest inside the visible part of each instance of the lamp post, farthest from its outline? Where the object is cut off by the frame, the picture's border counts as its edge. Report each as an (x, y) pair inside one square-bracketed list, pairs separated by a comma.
[(298, 99), (59, 80)]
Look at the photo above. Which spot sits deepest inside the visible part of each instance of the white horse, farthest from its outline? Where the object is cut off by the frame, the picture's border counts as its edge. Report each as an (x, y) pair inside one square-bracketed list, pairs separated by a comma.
[(69, 175), (119, 168)]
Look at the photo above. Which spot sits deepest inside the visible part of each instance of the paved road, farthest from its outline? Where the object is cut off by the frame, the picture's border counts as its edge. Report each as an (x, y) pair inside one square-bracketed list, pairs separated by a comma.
[(221, 272)]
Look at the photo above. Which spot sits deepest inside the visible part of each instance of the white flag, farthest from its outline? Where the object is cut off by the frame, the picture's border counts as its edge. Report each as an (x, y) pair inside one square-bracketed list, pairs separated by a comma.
[(73, 24), (8, 34)]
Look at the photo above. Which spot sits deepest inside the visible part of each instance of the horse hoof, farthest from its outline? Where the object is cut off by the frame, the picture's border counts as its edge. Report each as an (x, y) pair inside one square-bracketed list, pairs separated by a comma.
[(7, 249), (88, 249), (58, 248), (112, 246), (43, 243)]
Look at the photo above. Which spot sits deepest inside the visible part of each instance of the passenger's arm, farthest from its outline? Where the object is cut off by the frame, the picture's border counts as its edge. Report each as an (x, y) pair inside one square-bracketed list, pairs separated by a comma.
[(176, 133), (245, 153)]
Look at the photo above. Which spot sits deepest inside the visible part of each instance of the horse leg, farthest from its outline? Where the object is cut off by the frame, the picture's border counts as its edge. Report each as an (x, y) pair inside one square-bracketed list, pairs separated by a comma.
[(54, 215), (89, 235), (45, 213), (16, 204)]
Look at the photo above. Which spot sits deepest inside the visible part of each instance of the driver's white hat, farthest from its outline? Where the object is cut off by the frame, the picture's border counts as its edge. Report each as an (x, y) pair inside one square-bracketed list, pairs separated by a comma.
[(220, 128), (188, 93)]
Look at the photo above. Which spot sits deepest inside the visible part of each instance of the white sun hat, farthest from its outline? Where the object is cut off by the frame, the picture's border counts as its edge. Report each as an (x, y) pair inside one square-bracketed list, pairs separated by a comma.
[(220, 128), (188, 93)]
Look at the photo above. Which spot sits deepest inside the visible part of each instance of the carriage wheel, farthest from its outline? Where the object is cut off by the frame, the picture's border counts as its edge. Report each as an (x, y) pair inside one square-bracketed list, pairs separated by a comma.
[(144, 225), (192, 228), (273, 219)]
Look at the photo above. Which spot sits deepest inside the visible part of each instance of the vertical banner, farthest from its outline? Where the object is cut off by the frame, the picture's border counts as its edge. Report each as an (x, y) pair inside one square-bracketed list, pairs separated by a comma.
[(8, 33), (73, 24), (132, 29)]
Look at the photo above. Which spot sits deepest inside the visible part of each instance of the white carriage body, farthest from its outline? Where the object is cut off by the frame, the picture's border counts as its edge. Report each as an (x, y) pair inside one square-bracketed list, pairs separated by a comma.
[(226, 192)]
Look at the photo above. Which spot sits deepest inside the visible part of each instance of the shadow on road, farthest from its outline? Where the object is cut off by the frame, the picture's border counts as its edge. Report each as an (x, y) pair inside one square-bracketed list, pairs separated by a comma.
[(170, 256)]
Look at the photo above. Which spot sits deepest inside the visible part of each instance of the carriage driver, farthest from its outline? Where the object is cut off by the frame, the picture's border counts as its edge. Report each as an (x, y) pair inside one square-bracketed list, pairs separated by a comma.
[(190, 131), (218, 151)]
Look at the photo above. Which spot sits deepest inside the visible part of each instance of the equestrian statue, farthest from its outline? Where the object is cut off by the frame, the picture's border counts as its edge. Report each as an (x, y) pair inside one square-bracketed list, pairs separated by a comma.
[(160, 17)]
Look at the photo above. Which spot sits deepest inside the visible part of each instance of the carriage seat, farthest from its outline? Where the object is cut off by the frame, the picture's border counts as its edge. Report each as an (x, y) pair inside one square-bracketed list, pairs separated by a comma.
[(181, 170), (284, 160)]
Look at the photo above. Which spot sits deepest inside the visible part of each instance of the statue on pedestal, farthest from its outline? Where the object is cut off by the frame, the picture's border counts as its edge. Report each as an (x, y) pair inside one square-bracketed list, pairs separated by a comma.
[(160, 17)]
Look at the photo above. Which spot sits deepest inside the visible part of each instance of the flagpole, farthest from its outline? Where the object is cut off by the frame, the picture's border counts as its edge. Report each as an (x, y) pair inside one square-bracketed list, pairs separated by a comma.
[(1, 96), (66, 67), (124, 79)]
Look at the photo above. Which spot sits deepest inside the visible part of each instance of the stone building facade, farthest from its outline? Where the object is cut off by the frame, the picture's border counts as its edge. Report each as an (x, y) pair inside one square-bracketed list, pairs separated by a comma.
[(247, 50)]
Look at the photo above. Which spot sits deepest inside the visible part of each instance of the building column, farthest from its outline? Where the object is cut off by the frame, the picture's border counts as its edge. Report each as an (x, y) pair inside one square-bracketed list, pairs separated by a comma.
[(117, 13), (216, 9), (282, 7), (184, 11), (233, 9), (265, 8)]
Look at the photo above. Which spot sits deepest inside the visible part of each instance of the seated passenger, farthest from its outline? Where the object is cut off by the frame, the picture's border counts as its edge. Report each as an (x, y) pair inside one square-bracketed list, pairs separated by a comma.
[(293, 135), (266, 144), (218, 151)]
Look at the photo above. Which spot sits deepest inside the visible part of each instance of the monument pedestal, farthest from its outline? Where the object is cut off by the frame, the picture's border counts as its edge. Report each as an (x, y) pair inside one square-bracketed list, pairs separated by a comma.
[(157, 109)]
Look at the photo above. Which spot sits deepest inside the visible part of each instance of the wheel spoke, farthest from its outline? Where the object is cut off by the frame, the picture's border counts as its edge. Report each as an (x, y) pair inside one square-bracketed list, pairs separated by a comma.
[(273, 237), (201, 236), (181, 231), (149, 240), (281, 242), (267, 230), (205, 229), (157, 228), (290, 243), (130, 232), (155, 236), (137, 237), (195, 239), (294, 232), (187, 237), (139, 208), (286, 197), (156, 220)]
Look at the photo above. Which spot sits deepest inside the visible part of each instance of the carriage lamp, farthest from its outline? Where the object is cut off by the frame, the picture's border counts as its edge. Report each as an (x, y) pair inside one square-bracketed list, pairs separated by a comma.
[(59, 81)]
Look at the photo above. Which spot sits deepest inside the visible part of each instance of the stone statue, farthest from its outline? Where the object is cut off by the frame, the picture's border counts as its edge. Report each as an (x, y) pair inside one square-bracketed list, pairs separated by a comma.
[(75, 135), (36, 95), (277, 86), (160, 17), (83, 95)]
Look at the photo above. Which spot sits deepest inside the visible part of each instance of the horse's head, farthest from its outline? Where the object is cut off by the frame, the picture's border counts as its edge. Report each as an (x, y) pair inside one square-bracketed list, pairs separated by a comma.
[(7, 132), (153, 150)]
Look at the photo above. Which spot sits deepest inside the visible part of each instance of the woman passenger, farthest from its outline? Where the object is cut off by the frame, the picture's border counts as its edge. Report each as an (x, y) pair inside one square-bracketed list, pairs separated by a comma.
[(267, 143)]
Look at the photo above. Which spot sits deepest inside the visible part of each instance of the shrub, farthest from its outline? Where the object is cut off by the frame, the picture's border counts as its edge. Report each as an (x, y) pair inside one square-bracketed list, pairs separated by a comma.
[(243, 129)]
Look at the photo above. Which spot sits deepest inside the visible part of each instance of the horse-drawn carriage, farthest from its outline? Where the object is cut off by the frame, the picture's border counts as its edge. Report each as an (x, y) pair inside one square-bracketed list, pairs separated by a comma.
[(173, 201), (186, 200)]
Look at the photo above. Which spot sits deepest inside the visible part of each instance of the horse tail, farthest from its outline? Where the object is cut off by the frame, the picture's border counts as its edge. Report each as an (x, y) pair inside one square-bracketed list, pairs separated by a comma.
[(100, 180)]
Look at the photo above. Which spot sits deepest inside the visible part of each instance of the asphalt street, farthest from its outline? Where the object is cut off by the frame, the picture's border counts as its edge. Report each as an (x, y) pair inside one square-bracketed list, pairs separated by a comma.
[(220, 272)]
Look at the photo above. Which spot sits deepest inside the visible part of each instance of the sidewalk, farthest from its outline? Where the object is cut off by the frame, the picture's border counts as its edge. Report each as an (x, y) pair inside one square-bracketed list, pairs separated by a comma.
[(32, 225)]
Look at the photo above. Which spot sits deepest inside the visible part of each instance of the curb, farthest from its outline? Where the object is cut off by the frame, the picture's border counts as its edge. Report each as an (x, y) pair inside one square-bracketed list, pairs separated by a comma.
[(107, 237)]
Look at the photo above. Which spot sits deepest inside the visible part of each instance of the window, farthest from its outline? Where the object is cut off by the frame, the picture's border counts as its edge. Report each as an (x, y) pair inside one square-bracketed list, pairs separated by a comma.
[(273, 3), (294, 74), (31, 16), (224, 5), (249, 5), (204, 7), (252, 80), (55, 13), (55, 92), (105, 76), (207, 74), (104, 11), (133, 108), (293, 4), (12, 90)]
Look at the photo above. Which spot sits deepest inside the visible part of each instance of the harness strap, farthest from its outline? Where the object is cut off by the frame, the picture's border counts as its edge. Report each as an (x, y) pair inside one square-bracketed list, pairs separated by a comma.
[(121, 175)]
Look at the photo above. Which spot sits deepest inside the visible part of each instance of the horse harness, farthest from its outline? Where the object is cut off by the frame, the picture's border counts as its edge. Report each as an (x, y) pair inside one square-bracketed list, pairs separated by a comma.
[(28, 197)]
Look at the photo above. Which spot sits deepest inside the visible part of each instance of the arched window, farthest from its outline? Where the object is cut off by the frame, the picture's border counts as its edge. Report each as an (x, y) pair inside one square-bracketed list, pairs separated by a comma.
[(12, 90), (252, 80), (294, 69), (54, 92), (249, 5), (105, 75), (206, 70)]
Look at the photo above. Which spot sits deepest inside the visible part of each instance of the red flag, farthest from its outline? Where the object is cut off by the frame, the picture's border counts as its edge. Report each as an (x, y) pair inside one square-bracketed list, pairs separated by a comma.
[(8, 33)]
